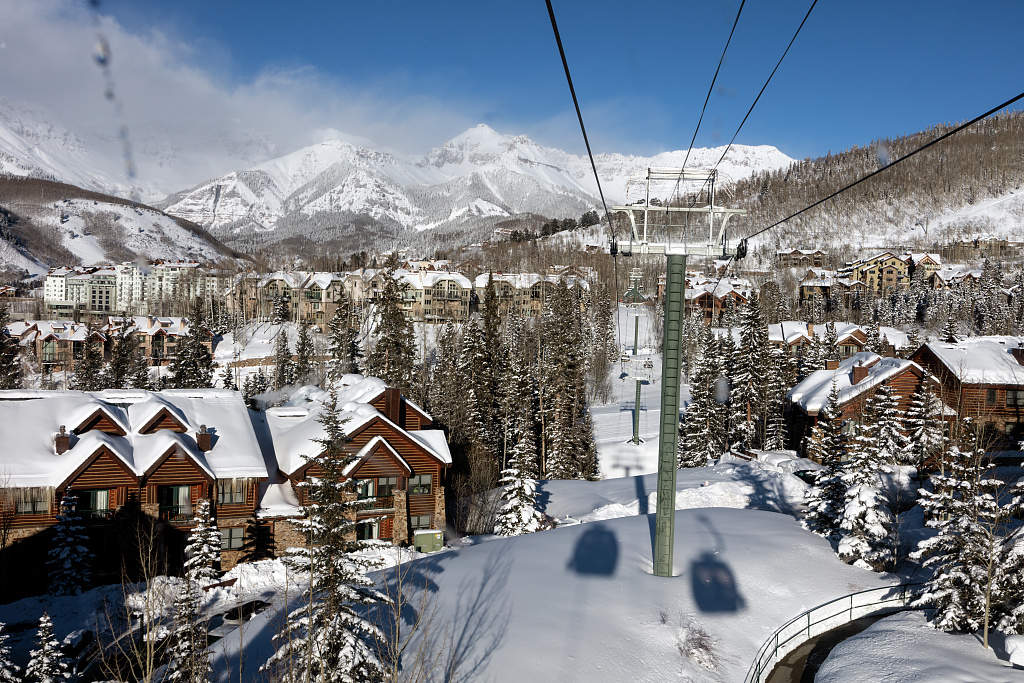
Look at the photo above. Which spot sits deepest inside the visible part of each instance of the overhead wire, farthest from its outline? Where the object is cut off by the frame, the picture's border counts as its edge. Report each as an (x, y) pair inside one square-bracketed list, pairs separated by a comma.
[(593, 166)]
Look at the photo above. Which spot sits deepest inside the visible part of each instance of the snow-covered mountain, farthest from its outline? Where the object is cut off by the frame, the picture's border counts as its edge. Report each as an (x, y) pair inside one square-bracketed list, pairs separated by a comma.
[(478, 174)]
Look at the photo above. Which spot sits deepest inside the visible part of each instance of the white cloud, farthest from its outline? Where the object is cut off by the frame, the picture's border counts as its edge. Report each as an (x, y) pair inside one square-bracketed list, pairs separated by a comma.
[(186, 123)]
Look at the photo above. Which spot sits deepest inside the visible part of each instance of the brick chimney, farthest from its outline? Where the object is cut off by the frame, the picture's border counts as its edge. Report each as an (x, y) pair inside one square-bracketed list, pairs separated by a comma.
[(1018, 353), (393, 404), (62, 440), (832, 364), (859, 373), (204, 439)]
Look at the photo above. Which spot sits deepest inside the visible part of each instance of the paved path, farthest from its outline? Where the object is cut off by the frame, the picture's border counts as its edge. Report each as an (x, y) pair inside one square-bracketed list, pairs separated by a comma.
[(802, 664)]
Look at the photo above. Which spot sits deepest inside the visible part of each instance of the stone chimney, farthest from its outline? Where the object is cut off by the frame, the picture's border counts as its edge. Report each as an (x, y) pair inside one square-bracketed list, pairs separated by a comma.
[(393, 405), (1018, 353), (62, 440), (204, 439), (832, 364), (810, 330), (859, 373)]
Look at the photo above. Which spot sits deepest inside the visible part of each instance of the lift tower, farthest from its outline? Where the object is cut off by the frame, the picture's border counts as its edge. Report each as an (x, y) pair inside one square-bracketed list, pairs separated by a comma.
[(652, 231)]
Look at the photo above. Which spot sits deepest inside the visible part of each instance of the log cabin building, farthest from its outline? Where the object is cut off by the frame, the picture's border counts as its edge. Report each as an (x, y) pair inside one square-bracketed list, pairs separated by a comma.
[(856, 378), (982, 378), (399, 464)]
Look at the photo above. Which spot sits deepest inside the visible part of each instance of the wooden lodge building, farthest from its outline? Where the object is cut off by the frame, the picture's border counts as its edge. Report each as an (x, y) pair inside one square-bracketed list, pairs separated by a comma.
[(125, 455), (856, 378), (982, 378)]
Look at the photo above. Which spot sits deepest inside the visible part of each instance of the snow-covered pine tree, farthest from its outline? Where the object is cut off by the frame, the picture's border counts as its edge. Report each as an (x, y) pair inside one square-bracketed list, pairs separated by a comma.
[(703, 435), (202, 551), (830, 343), (192, 366), (748, 399), (867, 522), (88, 374), (328, 638), (9, 671), (393, 357), (343, 341), (874, 336), (776, 429), (891, 442), (826, 499), (282, 311), (284, 366), (189, 661), (227, 377), (950, 328), (447, 387), (253, 385), (811, 357), (118, 373), (924, 426), (10, 363), (518, 513), (304, 355), (69, 560), (138, 376), (974, 561), (47, 663)]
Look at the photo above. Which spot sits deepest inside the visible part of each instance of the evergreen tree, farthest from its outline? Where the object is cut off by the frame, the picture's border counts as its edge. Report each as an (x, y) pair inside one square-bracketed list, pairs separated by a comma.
[(89, 368), (192, 366), (975, 581), (924, 424), (749, 400), (703, 436), (253, 385), (518, 513), (874, 336), (343, 341), (776, 385), (202, 552), (826, 499), (328, 637), (189, 660), (227, 377), (281, 312), (304, 355), (867, 522), (118, 373), (949, 328), (9, 671), (393, 357), (47, 663), (447, 386), (830, 344), (10, 363), (138, 376), (69, 561), (284, 367), (892, 445)]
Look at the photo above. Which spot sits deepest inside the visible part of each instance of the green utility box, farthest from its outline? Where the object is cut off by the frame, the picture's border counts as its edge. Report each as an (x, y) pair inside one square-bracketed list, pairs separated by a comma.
[(428, 540)]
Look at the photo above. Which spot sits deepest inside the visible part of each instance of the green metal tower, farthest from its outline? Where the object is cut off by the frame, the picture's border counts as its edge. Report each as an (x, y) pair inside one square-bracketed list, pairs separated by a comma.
[(668, 436)]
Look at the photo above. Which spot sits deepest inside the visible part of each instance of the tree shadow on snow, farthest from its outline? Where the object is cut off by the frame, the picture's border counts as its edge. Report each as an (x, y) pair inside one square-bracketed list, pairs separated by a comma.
[(768, 490)]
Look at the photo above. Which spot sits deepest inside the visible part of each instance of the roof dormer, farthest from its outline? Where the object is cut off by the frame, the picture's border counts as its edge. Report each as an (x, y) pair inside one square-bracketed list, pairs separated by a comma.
[(99, 420)]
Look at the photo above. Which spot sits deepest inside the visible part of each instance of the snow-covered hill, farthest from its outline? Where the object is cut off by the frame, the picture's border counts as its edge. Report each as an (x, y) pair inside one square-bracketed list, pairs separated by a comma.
[(43, 223), (480, 173)]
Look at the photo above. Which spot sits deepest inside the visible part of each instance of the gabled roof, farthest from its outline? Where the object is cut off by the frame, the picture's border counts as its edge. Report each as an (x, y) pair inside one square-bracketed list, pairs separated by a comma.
[(981, 360), (811, 394), (372, 446)]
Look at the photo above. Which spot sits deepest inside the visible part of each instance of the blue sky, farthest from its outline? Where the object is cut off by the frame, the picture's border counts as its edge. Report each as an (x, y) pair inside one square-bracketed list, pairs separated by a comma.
[(858, 71)]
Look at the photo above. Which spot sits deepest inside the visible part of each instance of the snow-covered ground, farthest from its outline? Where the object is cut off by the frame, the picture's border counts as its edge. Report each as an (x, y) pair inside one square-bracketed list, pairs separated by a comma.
[(905, 648)]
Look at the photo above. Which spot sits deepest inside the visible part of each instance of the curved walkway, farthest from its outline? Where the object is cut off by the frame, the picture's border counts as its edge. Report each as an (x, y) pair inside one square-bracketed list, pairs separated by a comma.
[(821, 628), (801, 665)]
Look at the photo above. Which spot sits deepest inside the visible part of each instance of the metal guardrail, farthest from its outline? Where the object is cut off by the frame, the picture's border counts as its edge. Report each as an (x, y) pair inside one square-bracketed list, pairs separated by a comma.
[(824, 618)]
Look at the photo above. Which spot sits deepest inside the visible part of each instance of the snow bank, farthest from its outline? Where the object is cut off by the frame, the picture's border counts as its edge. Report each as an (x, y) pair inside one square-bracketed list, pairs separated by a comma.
[(905, 648)]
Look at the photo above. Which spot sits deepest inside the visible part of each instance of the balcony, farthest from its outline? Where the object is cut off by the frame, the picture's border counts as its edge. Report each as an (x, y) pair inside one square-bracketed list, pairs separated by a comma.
[(379, 503), (176, 513), (96, 515)]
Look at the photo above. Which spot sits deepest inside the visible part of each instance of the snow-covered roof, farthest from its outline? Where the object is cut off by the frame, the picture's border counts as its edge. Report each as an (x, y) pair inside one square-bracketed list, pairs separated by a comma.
[(293, 279), (30, 419), (365, 450), (981, 360), (279, 500), (917, 258), (424, 279), (527, 280), (811, 394)]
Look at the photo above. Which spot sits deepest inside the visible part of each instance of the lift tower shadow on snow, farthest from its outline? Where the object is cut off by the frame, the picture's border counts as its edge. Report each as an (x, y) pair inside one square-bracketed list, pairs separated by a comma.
[(677, 241)]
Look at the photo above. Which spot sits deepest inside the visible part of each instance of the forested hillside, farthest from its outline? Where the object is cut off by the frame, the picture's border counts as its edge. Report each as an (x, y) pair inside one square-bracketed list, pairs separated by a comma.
[(967, 186)]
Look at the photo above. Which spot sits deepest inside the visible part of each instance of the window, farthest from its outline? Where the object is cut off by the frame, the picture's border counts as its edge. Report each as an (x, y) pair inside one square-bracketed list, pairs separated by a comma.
[(365, 488), (1014, 397), (232, 537), (420, 484), (175, 502), (37, 506), (386, 486), (230, 491), (94, 502), (366, 531), (420, 521), (990, 397)]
